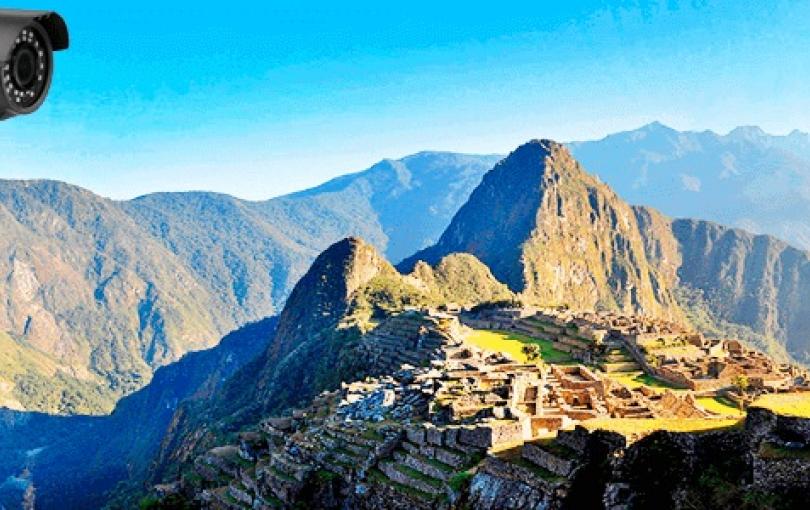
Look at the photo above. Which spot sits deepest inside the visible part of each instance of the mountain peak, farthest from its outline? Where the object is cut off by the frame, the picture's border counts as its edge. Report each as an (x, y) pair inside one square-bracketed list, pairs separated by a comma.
[(555, 234), (322, 295), (747, 133)]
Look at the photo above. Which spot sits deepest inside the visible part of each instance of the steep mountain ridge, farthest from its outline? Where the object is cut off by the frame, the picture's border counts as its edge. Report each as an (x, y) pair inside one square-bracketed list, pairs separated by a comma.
[(556, 235), (74, 461)]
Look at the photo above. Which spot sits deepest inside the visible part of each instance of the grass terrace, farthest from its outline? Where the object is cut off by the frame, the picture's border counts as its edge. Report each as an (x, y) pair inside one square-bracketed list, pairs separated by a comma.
[(631, 426), (638, 379), (720, 405), (511, 344), (791, 404), (776, 452)]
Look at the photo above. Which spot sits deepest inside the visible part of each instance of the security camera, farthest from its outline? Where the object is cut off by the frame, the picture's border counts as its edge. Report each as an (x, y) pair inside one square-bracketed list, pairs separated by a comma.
[(27, 42)]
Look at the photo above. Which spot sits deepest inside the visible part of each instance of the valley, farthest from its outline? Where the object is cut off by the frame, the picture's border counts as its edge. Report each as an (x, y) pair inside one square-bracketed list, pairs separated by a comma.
[(549, 316)]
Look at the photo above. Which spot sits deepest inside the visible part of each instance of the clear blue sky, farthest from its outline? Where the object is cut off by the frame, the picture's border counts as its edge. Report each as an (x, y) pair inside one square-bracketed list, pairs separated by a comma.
[(259, 99)]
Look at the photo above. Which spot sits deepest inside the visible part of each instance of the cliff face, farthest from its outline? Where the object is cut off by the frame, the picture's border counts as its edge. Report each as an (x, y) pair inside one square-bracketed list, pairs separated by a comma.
[(747, 279), (735, 278), (556, 235)]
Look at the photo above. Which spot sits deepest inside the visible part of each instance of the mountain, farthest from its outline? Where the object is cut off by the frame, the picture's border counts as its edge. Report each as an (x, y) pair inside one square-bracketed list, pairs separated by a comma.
[(746, 178), (556, 235), (410, 200), (97, 294), (73, 461), (754, 280), (537, 221), (347, 292), (83, 285)]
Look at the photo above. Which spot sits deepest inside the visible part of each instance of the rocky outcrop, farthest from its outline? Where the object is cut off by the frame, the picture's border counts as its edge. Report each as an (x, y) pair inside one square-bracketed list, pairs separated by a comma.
[(460, 278)]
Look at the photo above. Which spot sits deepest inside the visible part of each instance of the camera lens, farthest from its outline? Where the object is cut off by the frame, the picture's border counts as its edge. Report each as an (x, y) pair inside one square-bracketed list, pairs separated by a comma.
[(24, 64), (27, 73)]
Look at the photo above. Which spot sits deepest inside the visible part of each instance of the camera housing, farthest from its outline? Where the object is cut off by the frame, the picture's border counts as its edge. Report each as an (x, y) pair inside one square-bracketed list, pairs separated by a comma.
[(27, 42)]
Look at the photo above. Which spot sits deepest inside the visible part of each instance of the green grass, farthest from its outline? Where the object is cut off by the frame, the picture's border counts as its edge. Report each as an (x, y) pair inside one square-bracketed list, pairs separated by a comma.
[(281, 474), (560, 450), (638, 379), (379, 477), (644, 425), (538, 471), (347, 452), (438, 464), (417, 475), (458, 481), (511, 344), (791, 404), (326, 476), (372, 435), (720, 405)]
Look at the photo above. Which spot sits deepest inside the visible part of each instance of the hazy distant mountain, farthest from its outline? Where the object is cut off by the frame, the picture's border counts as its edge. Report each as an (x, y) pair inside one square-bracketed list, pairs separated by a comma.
[(410, 200), (747, 178), (98, 293)]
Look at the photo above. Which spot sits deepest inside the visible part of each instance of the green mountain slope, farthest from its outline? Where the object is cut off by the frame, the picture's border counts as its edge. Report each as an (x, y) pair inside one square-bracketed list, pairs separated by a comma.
[(112, 290), (85, 285)]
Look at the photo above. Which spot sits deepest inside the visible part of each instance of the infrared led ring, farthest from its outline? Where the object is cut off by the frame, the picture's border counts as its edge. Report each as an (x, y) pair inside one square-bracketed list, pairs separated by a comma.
[(27, 74)]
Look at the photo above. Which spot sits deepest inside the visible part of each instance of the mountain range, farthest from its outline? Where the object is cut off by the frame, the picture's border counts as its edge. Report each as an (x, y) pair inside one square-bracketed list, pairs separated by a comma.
[(100, 293), (538, 222), (747, 178)]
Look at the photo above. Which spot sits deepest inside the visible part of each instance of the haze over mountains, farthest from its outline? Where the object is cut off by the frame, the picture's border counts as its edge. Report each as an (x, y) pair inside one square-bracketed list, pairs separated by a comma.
[(746, 178), (101, 292)]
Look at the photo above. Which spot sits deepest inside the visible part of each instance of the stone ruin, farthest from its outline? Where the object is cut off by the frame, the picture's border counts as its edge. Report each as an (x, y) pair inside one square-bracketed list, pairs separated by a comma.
[(434, 408), (628, 343)]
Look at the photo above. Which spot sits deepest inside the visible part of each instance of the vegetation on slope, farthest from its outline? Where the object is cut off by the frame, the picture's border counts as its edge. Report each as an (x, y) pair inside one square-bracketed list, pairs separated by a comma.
[(30, 379)]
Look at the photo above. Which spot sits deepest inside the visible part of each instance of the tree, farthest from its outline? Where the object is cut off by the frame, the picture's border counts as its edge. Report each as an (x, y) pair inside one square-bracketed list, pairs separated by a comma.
[(532, 351), (741, 383)]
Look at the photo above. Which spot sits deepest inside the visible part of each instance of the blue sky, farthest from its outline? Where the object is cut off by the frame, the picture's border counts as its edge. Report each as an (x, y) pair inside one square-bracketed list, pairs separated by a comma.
[(258, 99)]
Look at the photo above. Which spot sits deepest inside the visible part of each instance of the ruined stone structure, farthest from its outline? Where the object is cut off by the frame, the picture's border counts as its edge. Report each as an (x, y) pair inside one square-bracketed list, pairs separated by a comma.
[(627, 343), (444, 423)]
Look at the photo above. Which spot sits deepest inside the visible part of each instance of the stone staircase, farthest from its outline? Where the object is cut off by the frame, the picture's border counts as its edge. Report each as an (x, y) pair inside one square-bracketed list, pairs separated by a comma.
[(424, 463), (617, 360)]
